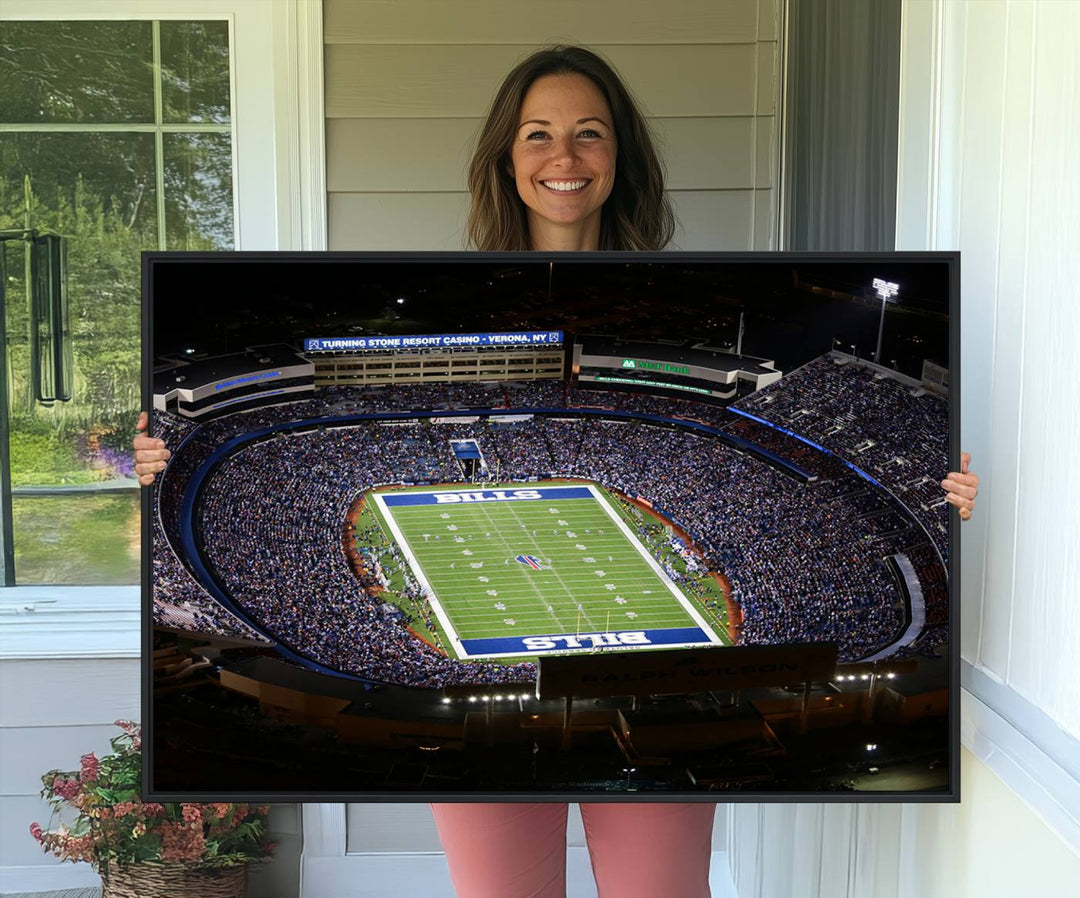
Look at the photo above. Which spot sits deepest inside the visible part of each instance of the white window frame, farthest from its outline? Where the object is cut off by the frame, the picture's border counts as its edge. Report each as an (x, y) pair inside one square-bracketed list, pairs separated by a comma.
[(280, 204)]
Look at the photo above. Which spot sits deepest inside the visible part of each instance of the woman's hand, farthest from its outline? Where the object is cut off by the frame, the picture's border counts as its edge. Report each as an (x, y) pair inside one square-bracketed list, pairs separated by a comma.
[(150, 453), (962, 487)]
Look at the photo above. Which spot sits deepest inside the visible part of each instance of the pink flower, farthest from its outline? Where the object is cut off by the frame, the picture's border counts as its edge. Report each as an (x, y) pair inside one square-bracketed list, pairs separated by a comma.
[(181, 842), (36, 831), (89, 767), (192, 813), (66, 789)]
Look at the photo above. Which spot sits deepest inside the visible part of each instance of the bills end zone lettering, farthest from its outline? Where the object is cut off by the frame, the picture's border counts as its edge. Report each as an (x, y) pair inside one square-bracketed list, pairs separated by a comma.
[(482, 496), (465, 497), (676, 637)]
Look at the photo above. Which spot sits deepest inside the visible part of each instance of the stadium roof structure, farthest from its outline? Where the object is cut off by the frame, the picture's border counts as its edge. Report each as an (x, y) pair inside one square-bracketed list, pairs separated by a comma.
[(199, 372), (688, 353)]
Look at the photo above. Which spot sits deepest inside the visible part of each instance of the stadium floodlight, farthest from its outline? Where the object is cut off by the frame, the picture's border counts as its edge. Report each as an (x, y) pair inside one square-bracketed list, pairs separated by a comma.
[(871, 746), (887, 290)]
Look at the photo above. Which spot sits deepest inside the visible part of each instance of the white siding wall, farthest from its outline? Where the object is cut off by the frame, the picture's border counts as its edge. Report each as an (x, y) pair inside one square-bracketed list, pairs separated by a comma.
[(1009, 162), (408, 82), (53, 712)]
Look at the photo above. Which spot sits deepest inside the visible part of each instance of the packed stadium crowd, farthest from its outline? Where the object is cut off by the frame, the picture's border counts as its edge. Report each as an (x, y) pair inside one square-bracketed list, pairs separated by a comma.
[(805, 560), (272, 523), (895, 432)]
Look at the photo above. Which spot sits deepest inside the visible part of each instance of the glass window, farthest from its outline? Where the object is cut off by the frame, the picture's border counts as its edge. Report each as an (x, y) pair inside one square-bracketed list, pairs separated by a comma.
[(195, 72), (116, 136), (198, 192), (68, 72)]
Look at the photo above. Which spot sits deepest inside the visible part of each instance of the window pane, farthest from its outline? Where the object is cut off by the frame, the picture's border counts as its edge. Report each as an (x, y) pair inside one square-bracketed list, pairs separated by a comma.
[(198, 192), (76, 72), (195, 72), (82, 184), (77, 540), (97, 190)]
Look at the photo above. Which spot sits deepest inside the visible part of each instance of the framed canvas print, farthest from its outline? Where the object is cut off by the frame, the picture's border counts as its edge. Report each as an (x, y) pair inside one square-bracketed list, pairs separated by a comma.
[(526, 526)]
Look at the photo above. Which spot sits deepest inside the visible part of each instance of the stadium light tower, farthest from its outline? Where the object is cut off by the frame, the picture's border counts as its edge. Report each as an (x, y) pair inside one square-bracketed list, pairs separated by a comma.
[(887, 291)]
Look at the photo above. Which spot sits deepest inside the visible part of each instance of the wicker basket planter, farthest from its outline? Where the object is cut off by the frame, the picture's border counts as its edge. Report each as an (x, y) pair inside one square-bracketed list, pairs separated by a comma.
[(174, 881)]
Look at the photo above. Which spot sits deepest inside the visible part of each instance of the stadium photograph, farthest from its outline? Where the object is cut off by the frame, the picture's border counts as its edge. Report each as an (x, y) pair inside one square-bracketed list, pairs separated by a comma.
[(496, 525)]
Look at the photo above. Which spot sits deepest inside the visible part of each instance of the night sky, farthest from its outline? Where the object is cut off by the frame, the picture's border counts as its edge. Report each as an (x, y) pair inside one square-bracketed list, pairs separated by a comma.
[(793, 308)]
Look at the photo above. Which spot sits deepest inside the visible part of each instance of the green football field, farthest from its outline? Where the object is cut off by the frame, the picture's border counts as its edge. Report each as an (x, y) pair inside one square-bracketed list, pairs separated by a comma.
[(528, 569)]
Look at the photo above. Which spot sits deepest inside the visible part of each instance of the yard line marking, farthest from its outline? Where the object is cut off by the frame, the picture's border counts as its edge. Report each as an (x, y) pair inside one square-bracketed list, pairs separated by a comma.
[(414, 563), (652, 563), (531, 582)]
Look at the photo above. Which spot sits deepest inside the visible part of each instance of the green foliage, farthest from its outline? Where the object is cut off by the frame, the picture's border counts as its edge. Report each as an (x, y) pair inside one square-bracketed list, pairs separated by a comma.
[(38, 458)]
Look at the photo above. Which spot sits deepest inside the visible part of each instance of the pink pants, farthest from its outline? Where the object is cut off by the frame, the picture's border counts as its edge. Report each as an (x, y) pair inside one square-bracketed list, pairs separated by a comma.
[(519, 850)]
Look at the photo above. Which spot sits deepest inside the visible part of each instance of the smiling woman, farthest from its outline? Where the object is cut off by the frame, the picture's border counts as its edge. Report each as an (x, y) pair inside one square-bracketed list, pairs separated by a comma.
[(565, 161)]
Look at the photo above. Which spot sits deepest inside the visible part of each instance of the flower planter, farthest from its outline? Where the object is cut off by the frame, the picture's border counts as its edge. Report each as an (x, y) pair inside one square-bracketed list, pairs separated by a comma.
[(149, 849), (174, 881)]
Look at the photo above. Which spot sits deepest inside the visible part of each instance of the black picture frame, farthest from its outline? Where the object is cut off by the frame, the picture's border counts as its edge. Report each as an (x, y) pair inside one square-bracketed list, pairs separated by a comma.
[(205, 741)]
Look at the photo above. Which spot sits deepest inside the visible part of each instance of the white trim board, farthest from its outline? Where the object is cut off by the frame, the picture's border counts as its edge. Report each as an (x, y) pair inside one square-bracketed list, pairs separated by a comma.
[(1042, 773), (50, 622)]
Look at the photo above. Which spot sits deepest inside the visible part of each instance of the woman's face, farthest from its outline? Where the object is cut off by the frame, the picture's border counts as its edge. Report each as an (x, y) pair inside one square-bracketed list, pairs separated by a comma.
[(563, 158)]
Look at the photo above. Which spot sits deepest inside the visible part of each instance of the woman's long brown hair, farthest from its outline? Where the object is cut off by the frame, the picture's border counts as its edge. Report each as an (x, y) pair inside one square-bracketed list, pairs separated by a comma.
[(637, 215)]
